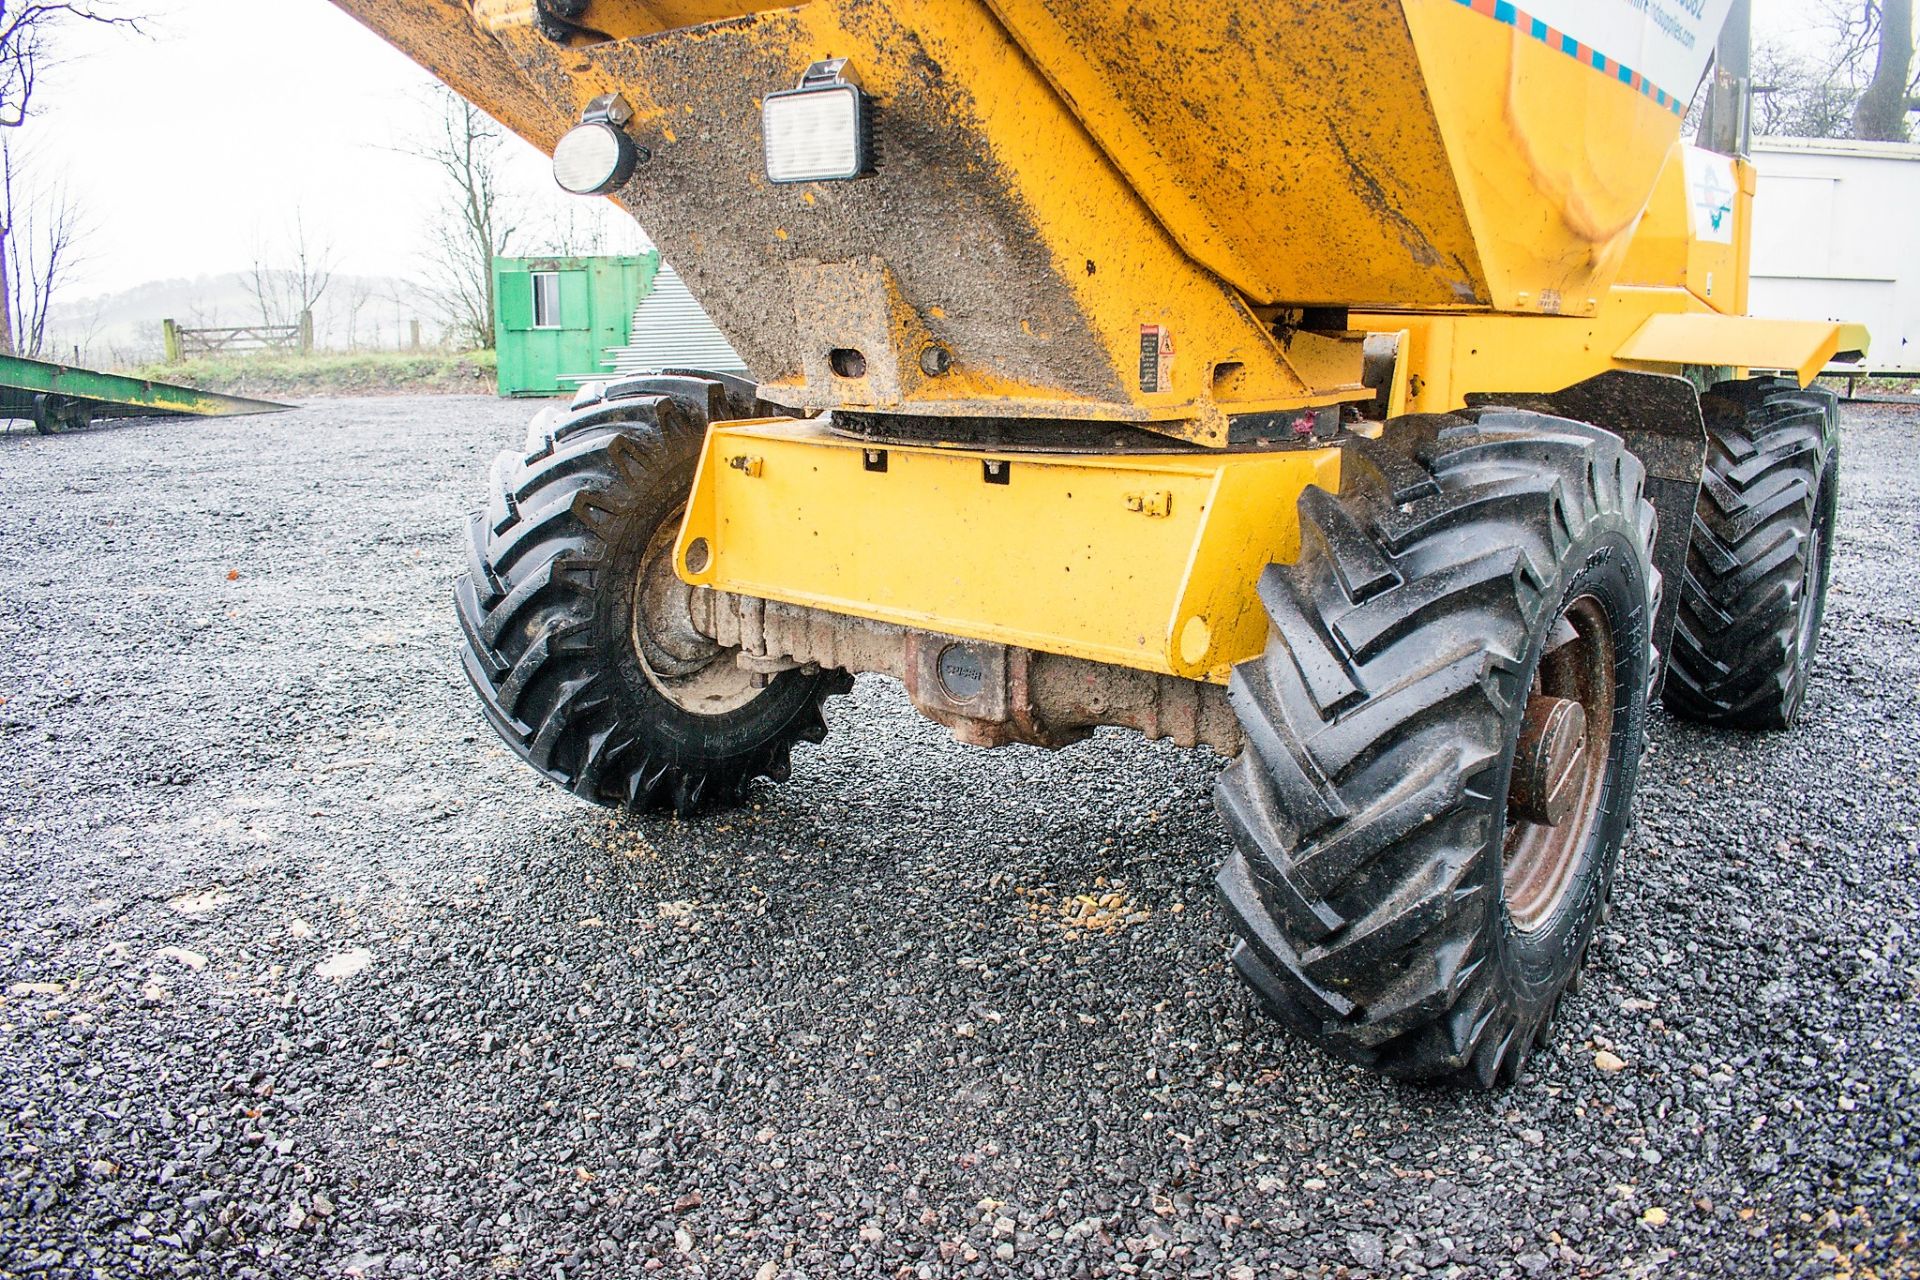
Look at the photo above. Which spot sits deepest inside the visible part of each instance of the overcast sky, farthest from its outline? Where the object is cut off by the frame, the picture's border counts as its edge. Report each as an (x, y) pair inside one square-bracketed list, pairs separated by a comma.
[(192, 145)]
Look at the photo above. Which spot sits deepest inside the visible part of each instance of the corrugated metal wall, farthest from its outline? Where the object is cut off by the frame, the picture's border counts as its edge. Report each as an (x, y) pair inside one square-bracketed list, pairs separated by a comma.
[(670, 331)]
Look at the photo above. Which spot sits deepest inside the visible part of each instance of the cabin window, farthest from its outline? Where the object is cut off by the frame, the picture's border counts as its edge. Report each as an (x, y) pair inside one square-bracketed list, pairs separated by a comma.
[(546, 299)]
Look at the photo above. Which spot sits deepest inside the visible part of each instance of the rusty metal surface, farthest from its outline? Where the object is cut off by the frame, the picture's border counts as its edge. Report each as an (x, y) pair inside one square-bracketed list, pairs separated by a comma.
[(1011, 435), (1560, 780), (1023, 696), (1553, 744)]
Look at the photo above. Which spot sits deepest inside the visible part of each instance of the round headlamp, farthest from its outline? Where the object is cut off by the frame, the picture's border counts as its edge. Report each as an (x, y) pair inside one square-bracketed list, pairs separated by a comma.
[(594, 158)]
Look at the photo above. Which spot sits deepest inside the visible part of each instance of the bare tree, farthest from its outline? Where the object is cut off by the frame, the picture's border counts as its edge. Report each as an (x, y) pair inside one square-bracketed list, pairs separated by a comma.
[(1798, 97), (283, 292), (27, 30), (83, 329), (574, 233), (264, 288), (1853, 79), (203, 314), (40, 230), (1882, 113), (475, 225), (359, 295)]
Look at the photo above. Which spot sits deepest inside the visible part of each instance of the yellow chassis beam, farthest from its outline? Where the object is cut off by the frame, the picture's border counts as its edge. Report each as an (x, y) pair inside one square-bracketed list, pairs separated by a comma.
[(1445, 358), (1146, 561), (1150, 560), (1800, 347)]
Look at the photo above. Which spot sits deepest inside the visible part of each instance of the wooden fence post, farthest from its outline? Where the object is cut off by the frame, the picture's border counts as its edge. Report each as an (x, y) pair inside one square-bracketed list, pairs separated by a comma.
[(306, 333), (170, 339)]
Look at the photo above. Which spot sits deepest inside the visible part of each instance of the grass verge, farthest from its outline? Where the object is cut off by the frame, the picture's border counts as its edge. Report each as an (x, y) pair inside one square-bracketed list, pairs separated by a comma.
[(329, 374)]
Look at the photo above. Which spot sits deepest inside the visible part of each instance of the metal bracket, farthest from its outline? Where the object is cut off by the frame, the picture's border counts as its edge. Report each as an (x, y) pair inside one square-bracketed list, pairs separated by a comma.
[(613, 108), (830, 71), (1154, 503)]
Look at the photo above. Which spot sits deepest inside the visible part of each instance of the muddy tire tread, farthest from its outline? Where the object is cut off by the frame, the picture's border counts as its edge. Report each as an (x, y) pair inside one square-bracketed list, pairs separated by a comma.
[(535, 554), (1375, 723), (1736, 645)]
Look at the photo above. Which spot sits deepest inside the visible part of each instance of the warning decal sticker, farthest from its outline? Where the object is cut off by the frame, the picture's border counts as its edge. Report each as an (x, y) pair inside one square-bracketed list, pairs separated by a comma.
[(1156, 358)]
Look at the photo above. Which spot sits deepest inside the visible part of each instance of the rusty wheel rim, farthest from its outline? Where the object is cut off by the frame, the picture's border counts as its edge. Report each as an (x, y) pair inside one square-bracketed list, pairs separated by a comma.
[(1560, 766), (687, 668)]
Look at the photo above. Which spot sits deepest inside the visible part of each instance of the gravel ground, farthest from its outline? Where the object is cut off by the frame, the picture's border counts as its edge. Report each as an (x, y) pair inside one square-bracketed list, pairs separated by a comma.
[(302, 975)]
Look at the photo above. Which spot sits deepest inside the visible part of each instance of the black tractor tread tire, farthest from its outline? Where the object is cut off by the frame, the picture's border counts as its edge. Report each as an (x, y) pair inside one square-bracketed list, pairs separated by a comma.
[(537, 553), (1376, 725), (1770, 479)]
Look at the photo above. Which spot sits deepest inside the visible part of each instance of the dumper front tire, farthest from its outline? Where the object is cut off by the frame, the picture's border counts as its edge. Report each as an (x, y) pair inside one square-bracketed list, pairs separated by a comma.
[(1442, 741), (1762, 550), (577, 634)]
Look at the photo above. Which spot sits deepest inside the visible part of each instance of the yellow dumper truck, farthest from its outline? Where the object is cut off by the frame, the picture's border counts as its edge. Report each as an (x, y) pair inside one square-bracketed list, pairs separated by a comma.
[(1361, 389)]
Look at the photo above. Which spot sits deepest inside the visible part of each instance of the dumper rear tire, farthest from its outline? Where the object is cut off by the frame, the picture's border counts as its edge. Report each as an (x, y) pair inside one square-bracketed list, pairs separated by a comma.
[(577, 635), (1425, 830), (1762, 550)]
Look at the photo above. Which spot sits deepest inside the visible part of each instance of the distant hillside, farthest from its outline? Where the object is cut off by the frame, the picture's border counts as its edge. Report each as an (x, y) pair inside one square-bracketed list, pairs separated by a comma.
[(121, 330)]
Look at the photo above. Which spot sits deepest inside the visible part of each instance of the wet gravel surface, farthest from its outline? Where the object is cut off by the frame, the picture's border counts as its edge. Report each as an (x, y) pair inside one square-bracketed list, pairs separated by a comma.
[(301, 975)]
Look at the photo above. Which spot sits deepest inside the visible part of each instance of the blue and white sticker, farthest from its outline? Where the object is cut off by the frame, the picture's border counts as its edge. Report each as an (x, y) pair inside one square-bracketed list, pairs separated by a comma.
[(1711, 188)]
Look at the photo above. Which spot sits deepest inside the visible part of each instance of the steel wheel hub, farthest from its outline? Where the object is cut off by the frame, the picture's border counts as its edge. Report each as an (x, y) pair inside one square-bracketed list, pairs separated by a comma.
[(1550, 761), (688, 669), (1560, 765)]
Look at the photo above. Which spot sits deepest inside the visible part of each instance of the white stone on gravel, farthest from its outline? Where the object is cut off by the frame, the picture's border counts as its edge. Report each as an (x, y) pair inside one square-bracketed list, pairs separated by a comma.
[(180, 955), (344, 965)]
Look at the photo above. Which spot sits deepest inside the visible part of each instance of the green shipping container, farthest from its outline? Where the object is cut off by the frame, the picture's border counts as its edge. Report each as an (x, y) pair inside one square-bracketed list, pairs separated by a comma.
[(556, 318)]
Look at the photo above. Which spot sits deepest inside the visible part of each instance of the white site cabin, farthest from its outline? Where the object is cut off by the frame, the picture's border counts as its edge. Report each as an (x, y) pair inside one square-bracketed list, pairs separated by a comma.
[(1836, 236)]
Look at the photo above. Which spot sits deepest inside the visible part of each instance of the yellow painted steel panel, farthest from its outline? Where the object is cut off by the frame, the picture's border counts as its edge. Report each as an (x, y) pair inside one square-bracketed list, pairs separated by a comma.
[(1554, 159), (1802, 347), (1141, 560), (1289, 146), (1667, 253), (1449, 357), (1418, 153), (1060, 182), (1378, 153), (993, 227)]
